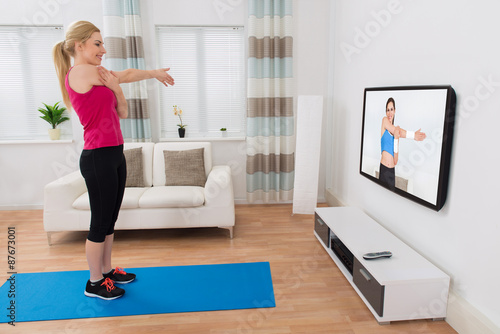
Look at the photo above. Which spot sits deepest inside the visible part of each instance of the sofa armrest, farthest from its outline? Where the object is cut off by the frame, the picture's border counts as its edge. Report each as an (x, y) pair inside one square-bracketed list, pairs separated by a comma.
[(219, 187), (61, 193)]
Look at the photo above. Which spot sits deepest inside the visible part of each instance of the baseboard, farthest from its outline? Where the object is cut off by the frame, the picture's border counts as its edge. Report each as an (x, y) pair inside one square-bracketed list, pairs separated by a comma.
[(466, 319), (331, 199), (40, 207), (461, 315), (20, 207), (244, 201)]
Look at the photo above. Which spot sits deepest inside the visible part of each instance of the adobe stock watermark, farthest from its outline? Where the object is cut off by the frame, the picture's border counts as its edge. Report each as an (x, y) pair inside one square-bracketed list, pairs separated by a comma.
[(43, 16), (48, 9), (407, 166), (71, 162), (434, 308), (372, 29), (215, 194), (484, 90), (291, 280), (224, 6), (86, 309)]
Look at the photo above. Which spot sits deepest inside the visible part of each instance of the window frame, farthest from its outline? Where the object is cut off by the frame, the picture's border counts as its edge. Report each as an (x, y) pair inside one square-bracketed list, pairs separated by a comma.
[(34, 131), (166, 111)]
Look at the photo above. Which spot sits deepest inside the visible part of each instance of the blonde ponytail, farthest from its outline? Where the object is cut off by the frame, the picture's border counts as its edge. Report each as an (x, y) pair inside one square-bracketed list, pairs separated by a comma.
[(62, 63), (62, 52)]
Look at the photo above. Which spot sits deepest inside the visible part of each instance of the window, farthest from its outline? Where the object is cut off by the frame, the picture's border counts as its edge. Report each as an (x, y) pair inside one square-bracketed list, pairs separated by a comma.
[(208, 65), (28, 79)]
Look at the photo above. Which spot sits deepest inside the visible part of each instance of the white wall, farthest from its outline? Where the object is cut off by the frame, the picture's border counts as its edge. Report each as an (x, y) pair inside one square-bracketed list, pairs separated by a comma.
[(311, 49), (195, 12), (427, 42), (310, 64), (26, 167)]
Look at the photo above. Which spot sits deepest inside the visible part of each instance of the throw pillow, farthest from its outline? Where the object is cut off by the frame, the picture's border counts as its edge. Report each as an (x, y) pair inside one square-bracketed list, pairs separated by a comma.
[(135, 173), (185, 168)]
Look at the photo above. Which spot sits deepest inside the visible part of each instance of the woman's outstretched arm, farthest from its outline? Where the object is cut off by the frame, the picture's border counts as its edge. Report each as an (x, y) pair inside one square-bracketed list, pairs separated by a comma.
[(133, 75), (417, 135)]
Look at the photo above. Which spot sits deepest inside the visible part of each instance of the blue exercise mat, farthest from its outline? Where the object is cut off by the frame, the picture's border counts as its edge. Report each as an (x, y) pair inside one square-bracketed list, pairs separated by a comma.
[(59, 295)]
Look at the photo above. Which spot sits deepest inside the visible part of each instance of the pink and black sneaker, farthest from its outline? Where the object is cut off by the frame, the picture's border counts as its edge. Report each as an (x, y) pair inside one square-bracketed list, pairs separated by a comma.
[(119, 276), (104, 289)]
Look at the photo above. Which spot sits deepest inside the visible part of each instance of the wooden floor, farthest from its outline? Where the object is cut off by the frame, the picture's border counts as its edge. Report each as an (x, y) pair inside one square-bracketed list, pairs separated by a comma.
[(312, 295)]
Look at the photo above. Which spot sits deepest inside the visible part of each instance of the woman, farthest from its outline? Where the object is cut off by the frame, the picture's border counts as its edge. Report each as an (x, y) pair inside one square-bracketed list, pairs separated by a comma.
[(389, 143), (97, 98)]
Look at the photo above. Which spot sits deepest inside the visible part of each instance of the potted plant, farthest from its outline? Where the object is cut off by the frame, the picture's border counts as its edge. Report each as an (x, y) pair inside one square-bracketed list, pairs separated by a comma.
[(54, 116), (182, 127), (223, 131)]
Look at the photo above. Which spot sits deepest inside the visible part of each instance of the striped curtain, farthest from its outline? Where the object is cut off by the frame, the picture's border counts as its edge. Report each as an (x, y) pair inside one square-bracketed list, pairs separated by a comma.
[(125, 49), (270, 119)]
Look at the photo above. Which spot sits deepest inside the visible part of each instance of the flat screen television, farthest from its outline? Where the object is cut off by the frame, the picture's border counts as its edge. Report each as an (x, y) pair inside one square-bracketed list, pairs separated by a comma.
[(423, 118)]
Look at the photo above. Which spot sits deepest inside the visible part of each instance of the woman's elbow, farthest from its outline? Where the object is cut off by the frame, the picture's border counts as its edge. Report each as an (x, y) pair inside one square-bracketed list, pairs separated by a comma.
[(123, 113)]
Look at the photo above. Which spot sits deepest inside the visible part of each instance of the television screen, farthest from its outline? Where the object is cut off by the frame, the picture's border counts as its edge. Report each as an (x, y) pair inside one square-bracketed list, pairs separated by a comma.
[(406, 140)]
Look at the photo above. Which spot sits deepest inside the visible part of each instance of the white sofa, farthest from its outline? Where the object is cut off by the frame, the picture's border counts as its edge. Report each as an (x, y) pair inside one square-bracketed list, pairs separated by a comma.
[(154, 206)]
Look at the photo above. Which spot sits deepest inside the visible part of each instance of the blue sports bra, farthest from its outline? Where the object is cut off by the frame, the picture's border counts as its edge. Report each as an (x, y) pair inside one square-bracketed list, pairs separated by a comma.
[(387, 143)]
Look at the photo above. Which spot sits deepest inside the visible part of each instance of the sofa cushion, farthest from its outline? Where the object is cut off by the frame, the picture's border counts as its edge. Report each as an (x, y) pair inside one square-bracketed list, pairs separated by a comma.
[(130, 199), (135, 171), (147, 159), (159, 157), (172, 197), (185, 168)]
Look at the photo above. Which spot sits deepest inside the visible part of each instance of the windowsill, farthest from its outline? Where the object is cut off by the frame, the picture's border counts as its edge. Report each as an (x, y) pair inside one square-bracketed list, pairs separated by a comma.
[(228, 138), (36, 141)]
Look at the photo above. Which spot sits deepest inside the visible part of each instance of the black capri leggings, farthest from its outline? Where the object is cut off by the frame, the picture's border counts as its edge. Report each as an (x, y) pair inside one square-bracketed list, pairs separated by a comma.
[(105, 173), (388, 176)]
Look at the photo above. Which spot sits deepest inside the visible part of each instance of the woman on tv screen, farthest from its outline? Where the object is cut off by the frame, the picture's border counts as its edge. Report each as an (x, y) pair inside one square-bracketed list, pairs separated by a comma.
[(389, 143)]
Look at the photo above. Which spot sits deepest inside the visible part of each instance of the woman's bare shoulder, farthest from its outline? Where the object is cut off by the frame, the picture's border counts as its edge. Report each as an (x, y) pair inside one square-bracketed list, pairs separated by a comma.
[(85, 74), (84, 70), (385, 121)]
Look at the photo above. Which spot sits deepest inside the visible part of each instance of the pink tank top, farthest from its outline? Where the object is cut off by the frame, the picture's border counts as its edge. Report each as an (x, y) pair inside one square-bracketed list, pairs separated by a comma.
[(96, 110)]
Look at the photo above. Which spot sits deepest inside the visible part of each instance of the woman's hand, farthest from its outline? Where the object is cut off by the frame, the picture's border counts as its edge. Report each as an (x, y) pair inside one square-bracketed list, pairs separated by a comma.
[(109, 79), (419, 135), (162, 76), (397, 132)]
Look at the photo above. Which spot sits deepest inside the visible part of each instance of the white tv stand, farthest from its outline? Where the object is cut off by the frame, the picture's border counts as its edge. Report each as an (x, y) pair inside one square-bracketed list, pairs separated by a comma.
[(403, 287)]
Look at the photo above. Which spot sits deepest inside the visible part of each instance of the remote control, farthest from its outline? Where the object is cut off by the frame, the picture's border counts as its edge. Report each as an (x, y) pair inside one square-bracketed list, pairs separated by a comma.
[(376, 255)]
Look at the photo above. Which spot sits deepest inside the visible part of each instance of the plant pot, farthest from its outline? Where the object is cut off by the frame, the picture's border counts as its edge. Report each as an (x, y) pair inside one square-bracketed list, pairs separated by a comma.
[(224, 133), (182, 132), (54, 134)]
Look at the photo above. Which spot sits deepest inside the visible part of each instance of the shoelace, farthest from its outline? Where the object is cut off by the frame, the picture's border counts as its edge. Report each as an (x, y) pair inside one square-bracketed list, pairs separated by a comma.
[(109, 284), (119, 270)]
